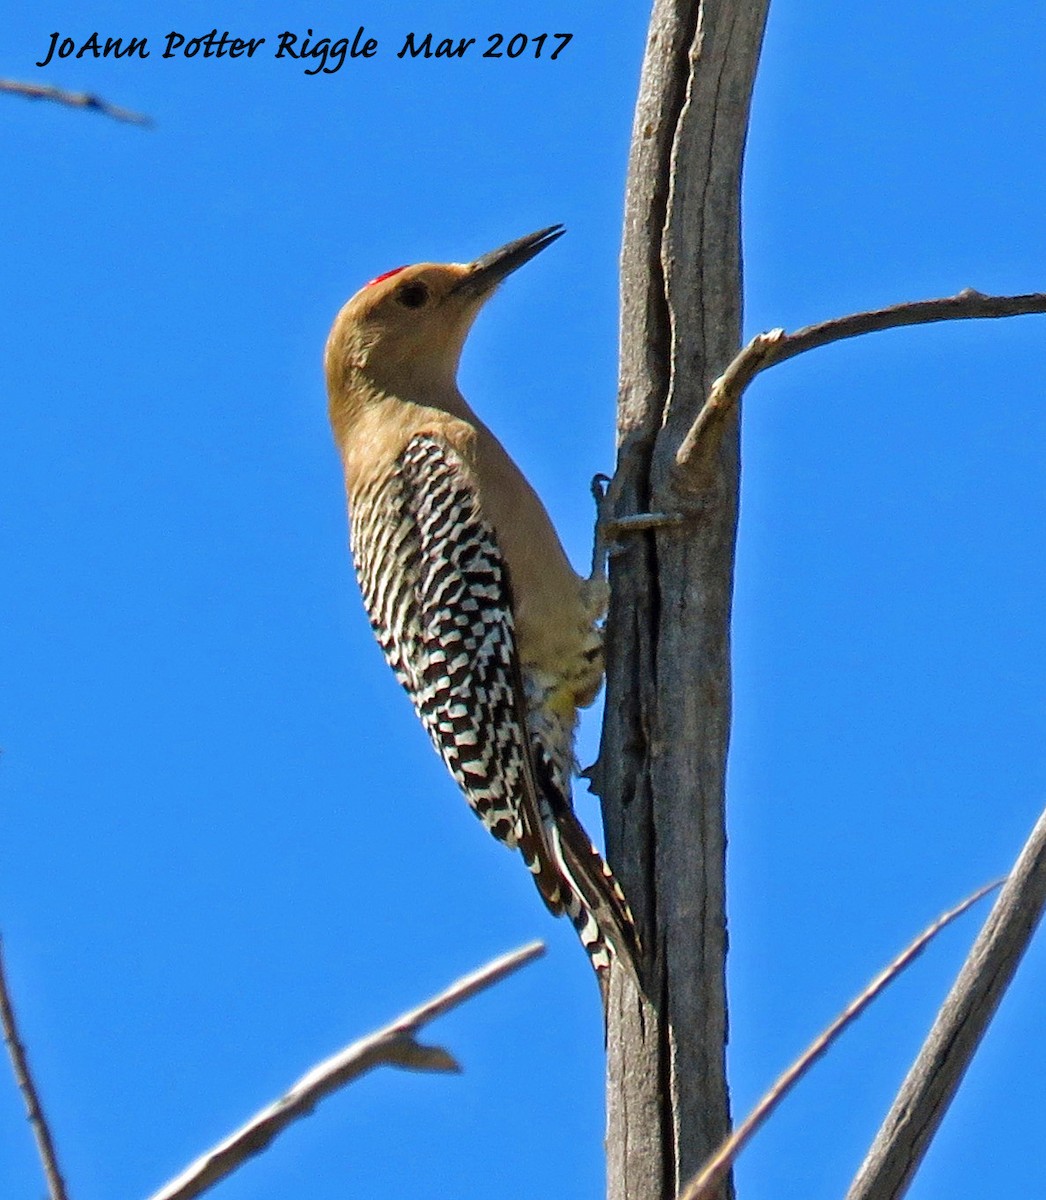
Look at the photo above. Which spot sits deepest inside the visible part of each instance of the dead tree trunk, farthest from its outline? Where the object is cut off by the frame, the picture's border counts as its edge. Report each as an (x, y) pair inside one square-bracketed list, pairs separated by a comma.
[(662, 759)]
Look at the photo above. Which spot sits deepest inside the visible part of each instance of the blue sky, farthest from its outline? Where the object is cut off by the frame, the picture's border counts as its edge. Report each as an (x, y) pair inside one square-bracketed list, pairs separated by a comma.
[(226, 848)]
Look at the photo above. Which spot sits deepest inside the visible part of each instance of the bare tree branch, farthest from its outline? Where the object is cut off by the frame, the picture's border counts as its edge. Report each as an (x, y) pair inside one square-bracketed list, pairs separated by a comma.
[(24, 1079), (919, 1108), (43, 91), (704, 1184), (395, 1045), (661, 767), (699, 447)]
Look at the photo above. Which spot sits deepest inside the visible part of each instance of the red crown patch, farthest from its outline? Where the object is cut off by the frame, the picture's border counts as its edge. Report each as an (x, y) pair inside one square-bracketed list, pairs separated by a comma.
[(384, 275)]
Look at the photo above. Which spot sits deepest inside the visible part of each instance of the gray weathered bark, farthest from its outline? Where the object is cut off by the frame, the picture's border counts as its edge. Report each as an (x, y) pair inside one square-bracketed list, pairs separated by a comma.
[(662, 759)]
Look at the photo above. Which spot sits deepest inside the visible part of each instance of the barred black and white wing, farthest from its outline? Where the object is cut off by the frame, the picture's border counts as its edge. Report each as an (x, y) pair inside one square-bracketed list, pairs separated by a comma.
[(438, 594), (436, 590)]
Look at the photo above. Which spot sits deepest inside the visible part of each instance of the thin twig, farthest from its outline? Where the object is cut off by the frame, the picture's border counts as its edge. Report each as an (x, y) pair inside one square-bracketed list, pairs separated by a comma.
[(395, 1045), (24, 1079), (705, 1183), (44, 91), (926, 1093), (768, 349)]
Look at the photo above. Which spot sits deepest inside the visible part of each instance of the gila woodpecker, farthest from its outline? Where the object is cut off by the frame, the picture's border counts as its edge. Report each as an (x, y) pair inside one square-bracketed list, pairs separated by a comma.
[(494, 637)]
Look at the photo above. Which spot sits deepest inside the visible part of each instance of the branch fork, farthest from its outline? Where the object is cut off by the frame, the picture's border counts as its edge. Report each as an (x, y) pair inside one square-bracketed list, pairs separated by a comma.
[(396, 1046), (697, 450)]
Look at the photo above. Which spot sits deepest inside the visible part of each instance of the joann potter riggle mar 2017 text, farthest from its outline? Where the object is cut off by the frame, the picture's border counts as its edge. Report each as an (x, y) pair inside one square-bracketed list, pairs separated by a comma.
[(324, 54)]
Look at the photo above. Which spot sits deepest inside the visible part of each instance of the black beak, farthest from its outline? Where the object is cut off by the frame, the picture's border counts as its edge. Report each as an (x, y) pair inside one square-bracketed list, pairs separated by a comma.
[(489, 270)]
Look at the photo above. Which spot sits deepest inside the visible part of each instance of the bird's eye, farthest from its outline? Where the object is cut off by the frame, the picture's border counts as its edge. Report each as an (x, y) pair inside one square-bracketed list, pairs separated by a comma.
[(413, 295)]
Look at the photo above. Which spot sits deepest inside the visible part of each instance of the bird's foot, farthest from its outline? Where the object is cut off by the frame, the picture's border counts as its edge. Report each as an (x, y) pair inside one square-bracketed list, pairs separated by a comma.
[(611, 530)]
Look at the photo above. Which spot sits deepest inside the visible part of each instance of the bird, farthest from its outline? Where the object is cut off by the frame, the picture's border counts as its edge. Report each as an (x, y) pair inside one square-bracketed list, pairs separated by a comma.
[(495, 638)]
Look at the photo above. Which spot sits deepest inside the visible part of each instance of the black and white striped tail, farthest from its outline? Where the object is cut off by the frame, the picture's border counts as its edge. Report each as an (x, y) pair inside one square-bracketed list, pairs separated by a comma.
[(590, 895)]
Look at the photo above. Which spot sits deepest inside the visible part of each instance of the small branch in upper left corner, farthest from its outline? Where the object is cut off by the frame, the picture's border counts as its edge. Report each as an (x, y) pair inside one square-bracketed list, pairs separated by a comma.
[(44, 91)]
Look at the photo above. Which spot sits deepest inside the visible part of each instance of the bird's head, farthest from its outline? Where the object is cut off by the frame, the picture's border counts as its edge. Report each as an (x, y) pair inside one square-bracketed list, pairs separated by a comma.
[(403, 332)]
